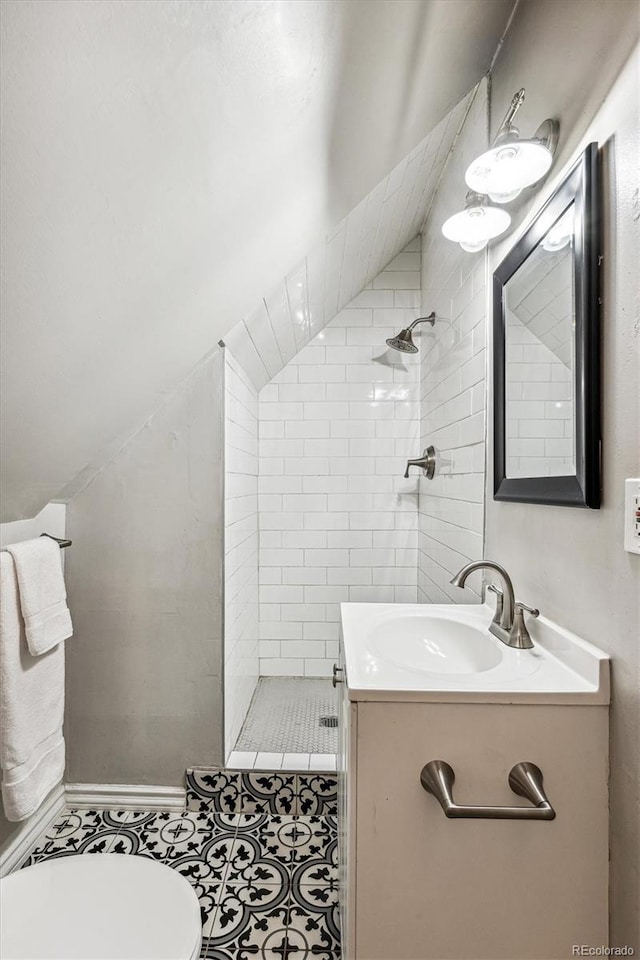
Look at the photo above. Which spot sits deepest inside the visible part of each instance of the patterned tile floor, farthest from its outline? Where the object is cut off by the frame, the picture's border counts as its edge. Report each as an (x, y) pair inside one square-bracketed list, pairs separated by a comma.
[(267, 883), (273, 792)]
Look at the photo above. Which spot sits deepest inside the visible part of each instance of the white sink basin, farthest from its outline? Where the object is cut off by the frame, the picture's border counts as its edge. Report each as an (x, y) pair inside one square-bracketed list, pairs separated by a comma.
[(435, 645), (444, 652)]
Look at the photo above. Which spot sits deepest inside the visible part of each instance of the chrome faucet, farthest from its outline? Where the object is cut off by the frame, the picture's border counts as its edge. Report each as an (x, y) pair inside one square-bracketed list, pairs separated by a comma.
[(508, 622)]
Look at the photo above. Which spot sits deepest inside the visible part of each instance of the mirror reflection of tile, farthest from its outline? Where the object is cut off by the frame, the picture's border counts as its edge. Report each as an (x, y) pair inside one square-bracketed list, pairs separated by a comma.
[(539, 359)]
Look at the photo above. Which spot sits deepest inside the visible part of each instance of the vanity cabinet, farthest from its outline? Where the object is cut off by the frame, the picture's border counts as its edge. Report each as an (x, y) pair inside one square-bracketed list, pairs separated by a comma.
[(418, 886)]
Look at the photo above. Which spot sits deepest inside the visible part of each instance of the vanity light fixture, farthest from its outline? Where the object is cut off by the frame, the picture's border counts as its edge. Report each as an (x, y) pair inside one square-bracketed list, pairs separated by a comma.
[(478, 223), (512, 163)]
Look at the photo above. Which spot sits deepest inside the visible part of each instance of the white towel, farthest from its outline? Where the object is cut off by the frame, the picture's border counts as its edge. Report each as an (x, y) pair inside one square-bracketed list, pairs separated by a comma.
[(31, 708), (43, 597)]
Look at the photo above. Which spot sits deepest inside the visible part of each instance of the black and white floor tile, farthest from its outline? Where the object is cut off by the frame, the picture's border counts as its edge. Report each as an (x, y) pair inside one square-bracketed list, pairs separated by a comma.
[(288, 794), (267, 882), (79, 831)]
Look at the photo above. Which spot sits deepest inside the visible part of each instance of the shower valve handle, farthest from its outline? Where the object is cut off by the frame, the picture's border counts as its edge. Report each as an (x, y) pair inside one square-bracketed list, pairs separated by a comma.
[(427, 463)]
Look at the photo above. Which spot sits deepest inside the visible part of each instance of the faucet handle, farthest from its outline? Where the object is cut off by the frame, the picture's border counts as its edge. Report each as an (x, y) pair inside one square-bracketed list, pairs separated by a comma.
[(497, 617), (427, 463), (533, 611), (519, 636)]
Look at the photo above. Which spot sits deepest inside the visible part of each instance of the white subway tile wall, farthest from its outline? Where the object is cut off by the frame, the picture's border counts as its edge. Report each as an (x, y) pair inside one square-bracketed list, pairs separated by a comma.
[(241, 610), (339, 413), (343, 265), (318, 762), (452, 376), (337, 520)]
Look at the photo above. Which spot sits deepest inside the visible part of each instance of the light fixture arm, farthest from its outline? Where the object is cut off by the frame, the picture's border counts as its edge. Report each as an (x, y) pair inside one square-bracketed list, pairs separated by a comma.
[(474, 199), (546, 134), (516, 103)]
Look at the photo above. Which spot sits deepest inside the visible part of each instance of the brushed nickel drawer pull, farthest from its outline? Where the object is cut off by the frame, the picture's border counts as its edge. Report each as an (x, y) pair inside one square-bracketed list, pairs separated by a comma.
[(525, 779)]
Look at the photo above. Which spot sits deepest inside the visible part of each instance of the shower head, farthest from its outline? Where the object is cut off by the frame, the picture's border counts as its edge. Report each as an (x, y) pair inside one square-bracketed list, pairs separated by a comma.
[(404, 340)]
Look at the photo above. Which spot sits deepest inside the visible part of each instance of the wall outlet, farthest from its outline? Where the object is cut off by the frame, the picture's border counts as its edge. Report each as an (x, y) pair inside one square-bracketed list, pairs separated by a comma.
[(632, 515)]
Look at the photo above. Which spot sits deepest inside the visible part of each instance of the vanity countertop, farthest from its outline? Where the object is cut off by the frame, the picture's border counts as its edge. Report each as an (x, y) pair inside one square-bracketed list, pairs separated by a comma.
[(444, 653)]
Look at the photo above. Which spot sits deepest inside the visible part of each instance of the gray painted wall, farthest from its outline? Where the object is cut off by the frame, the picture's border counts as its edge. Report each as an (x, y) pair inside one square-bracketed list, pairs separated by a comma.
[(569, 562), (144, 577)]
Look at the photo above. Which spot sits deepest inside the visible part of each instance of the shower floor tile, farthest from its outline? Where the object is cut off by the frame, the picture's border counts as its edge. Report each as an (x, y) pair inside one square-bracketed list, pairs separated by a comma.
[(284, 718), (266, 883)]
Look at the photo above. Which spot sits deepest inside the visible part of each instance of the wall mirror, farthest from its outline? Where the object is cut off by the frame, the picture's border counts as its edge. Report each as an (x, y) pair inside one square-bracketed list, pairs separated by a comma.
[(546, 351)]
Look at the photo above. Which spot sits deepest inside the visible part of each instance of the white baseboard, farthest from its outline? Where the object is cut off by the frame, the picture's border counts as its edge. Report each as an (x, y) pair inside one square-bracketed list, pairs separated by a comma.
[(121, 796), (124, 796), (22, 841)]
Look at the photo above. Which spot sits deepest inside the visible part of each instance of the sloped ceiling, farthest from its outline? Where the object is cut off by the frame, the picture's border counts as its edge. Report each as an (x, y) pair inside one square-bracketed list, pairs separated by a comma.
[(163, 163), (368, 238)]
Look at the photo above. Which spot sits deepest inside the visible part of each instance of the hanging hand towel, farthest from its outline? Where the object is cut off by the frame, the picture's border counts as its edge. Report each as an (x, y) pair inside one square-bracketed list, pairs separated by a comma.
[(31, 708), (43, 597)]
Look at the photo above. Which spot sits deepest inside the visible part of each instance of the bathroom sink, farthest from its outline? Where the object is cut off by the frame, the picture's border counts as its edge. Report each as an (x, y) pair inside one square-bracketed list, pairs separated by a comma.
[(435, 645), (444, 652)]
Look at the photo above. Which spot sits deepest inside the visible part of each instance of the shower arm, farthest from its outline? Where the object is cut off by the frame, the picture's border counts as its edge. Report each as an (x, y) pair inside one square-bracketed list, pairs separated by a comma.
[(430, 319)]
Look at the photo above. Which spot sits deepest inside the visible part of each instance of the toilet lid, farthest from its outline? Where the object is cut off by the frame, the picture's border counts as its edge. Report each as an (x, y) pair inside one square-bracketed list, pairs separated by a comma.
[(97, 906)]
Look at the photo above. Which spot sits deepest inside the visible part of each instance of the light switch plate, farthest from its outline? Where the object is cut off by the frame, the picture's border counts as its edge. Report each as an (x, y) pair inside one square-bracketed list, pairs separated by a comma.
[(632, 515)]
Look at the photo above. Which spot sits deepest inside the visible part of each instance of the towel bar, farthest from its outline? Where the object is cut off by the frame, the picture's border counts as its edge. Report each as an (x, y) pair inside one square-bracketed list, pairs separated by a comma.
[(525, 779), (61, 543)]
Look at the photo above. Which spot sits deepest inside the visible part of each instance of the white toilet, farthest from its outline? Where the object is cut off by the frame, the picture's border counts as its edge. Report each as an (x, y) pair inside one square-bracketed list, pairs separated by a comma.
[(99, 906)]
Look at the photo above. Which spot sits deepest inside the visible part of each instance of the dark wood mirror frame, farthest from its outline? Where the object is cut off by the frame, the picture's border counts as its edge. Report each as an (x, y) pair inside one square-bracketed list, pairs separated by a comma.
[(581, 187)]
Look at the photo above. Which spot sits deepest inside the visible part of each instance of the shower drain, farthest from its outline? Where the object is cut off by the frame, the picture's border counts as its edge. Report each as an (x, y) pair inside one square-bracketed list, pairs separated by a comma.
[(328, 721)]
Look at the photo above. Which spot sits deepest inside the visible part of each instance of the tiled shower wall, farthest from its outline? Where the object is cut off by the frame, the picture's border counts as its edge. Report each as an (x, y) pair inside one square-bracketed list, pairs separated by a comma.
[(346, 260), (241, 548), (452, 376), (337, 520), (539, 405)]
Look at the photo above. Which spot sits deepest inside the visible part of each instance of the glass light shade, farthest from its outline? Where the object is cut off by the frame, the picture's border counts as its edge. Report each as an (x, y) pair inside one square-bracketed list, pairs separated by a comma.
[(509, 167), (560, 234), (475, 225), (504, 197), (473, 247)]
